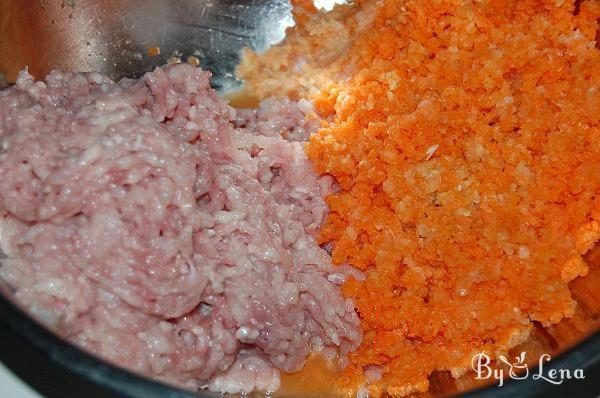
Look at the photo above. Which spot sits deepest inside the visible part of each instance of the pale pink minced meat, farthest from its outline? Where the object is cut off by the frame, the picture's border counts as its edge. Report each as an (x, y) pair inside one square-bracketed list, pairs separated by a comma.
[(151, 223)]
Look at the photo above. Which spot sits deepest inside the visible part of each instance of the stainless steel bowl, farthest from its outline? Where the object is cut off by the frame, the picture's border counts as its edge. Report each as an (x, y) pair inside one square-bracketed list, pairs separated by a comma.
[(114, 36)]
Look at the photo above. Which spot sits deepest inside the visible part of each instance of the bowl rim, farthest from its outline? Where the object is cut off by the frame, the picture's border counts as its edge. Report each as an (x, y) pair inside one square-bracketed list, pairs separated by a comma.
[(91, 368)]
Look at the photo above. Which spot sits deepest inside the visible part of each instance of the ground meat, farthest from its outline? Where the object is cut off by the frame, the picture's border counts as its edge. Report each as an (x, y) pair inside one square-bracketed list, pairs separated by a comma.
[(276, 117), (154, 225)]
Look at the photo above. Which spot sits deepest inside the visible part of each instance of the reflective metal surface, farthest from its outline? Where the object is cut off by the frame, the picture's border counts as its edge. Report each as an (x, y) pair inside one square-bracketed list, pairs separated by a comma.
[(114, 36)]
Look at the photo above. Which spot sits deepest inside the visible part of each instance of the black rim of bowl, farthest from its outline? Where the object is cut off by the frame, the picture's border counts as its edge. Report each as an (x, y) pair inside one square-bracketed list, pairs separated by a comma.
[(128, 384)]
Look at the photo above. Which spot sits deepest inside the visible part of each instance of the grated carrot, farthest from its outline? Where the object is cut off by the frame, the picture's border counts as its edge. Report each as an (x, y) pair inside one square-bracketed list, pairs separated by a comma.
[(465, 137)]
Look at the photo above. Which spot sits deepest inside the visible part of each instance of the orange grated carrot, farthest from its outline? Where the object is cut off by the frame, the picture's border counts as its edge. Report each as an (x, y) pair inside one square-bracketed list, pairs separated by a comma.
[(463, 246)]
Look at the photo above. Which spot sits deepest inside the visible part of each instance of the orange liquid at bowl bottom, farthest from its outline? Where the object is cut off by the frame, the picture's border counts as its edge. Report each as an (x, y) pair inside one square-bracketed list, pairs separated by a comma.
[(318, 379)]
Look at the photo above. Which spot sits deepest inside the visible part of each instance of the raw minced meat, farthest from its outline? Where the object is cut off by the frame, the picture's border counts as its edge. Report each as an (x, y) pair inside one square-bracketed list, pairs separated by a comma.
[(151, 223)]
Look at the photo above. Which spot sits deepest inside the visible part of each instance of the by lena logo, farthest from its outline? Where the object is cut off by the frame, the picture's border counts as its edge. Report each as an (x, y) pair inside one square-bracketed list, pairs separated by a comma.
[(519, 370)]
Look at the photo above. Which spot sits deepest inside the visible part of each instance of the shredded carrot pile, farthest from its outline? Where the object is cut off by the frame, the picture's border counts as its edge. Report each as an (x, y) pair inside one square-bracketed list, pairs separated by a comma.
[(465, 137)]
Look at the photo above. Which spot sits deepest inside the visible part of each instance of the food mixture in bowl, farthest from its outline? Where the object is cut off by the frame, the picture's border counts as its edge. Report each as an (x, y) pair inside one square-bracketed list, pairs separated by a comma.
[(448, 190)]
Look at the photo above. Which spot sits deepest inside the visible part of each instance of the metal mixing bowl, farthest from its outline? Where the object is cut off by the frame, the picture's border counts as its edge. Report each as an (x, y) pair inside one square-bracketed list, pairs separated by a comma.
[(113, 37)]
